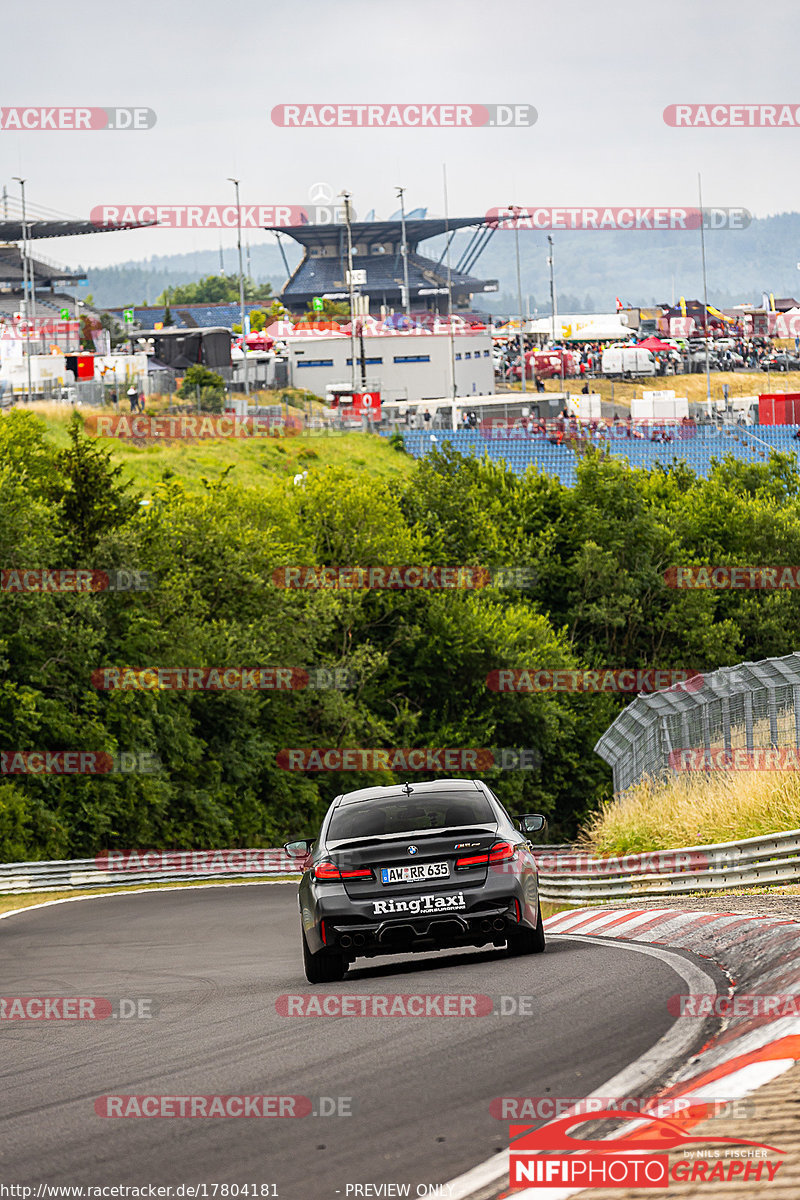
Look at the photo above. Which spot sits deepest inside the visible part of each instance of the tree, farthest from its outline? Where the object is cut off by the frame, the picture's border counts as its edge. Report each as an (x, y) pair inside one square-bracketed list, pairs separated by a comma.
[(215, 289), (210, 387), (332, 310), (88, 491), (277, 312)]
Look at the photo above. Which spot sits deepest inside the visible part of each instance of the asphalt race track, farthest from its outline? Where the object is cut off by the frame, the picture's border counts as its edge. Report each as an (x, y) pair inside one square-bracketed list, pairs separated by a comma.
[(214, 961)]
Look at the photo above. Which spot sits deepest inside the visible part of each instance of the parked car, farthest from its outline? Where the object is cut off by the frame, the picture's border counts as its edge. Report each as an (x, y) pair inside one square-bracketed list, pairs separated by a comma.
[(628, 361), (781, 362), (547, 364)]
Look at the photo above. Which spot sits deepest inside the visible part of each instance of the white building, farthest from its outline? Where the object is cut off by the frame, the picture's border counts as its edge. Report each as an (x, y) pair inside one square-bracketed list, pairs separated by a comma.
[(415, 366)]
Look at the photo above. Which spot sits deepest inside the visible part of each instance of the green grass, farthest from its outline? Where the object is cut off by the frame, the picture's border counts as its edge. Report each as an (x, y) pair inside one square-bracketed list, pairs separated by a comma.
[(254, 462)]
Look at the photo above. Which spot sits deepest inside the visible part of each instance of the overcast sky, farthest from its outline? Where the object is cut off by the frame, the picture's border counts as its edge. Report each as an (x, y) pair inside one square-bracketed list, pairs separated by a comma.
[(599, 75)]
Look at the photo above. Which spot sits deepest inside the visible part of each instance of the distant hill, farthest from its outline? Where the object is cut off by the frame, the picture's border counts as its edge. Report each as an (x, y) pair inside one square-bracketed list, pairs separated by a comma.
[(591, 269), (139, 282)]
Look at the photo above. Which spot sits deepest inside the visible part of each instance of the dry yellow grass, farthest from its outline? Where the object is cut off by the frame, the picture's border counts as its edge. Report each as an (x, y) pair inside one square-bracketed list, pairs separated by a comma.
[(722, 807), (740, 383)]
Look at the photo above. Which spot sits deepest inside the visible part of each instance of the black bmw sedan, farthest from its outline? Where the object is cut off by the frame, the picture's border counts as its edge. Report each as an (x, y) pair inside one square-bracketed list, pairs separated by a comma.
[(417, 867)]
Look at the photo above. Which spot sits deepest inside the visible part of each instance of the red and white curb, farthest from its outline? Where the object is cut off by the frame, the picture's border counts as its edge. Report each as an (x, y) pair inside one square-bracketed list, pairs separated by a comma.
[(761, 956)]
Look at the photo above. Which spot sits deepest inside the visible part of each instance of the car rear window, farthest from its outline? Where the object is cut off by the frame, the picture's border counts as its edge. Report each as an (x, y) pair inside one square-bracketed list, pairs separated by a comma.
[(404, 814)]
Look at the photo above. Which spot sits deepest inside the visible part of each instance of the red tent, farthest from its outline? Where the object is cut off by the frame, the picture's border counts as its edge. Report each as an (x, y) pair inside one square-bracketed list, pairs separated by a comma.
[(654, 343)]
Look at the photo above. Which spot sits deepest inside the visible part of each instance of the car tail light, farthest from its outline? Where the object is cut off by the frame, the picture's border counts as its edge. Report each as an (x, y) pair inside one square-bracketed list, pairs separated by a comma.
[(326, 870), (323, 933), (472, 860), (329, 870), (502, 852)]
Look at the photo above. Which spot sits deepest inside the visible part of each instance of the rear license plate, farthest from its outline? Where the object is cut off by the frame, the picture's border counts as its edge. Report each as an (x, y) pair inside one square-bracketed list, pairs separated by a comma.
[(413, 872)]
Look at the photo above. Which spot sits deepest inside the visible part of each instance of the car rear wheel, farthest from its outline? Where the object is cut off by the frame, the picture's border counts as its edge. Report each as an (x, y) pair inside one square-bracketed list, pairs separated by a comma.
[(528, 941), (323, 967)]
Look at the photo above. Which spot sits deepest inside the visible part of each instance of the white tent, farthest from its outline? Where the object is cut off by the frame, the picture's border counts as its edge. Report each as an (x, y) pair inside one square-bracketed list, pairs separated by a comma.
[(606, 331)]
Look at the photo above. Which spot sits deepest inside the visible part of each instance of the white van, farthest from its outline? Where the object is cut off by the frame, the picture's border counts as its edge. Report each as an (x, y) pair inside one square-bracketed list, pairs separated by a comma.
[(628, 360)]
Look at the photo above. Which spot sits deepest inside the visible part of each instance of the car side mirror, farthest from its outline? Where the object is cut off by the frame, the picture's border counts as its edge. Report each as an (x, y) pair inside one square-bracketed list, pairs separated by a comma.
[(299, 849), (533, 823)]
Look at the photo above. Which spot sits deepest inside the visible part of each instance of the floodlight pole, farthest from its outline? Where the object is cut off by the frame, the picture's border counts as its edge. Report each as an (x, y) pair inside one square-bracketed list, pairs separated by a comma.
[(705, 290), (449, 289), (515, 209), (351, 293), (235, 183), (25, 281), (404, 253), (551, 260)]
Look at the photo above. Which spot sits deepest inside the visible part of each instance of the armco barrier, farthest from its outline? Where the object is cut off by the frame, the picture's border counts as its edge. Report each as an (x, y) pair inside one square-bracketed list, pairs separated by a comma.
[(58, 876), (195, 866), (579, 879), (565, 874)]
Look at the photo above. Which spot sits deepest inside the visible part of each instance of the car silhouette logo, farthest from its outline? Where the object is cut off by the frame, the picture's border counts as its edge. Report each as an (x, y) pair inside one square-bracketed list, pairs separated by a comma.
[(412, 850)]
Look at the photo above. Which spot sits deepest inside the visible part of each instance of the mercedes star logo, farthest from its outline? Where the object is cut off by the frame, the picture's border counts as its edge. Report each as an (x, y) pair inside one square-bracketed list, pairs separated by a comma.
[(320, 193)]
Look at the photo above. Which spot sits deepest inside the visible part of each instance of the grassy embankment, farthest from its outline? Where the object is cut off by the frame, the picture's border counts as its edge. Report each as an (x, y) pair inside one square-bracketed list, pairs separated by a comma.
[(723, 807), (255, 462)]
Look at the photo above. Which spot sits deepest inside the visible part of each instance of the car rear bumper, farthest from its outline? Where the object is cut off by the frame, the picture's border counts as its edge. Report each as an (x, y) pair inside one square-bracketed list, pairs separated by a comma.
[(490, 912), (416, 933)]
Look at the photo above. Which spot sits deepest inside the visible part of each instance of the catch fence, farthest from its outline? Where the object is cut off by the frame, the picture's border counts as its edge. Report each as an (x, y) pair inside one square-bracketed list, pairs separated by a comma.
[(728, 717)]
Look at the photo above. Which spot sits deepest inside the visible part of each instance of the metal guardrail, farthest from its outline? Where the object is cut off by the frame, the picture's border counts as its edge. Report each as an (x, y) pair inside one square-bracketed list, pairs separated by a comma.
[(69, 875), (565, 874), (771, 859)]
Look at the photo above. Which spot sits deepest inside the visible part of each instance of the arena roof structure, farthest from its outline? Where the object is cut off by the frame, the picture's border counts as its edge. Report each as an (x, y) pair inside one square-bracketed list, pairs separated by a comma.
[(45, 274), (11, 231), (322, 271)]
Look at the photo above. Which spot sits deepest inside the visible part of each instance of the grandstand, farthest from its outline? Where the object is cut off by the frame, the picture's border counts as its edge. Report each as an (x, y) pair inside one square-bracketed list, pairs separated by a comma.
[(193, 316), (322, 272), (752, 444)]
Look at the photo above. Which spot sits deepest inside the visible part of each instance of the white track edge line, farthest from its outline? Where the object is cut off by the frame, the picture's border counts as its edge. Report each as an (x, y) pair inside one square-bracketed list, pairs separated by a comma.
[(184, 887), (646, 1067)]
